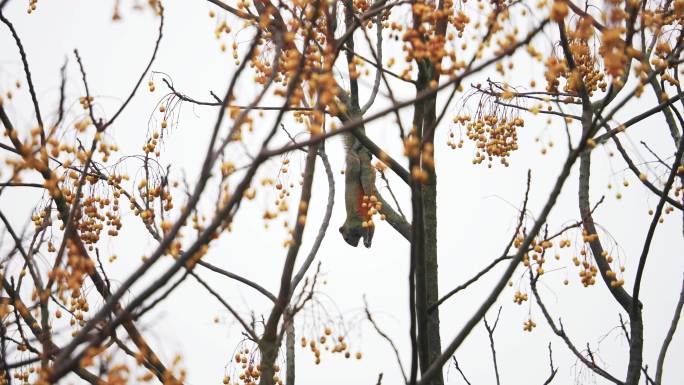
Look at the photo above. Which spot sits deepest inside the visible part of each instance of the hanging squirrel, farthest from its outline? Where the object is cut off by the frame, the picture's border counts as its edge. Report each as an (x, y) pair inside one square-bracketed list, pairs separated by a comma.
[(360, 197), (359, 193)]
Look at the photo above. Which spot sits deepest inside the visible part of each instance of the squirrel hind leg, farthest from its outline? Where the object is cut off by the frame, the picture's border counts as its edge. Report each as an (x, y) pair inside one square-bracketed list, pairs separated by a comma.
[(368, 236)]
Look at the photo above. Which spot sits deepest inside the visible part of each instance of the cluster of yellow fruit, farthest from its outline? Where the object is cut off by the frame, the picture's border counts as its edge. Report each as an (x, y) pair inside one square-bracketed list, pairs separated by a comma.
[(70, 281), (538, 249), (151, 146), (32, 6), (459, 120), (250, 370), (339, 345), (86, 101), (151, 191), (519, 297), (41, 218), (588, 270), (22, 376), (587, 273), (99, 209), (372, 206), (614, 281), (587, 74), (529, 325), (494, 137)]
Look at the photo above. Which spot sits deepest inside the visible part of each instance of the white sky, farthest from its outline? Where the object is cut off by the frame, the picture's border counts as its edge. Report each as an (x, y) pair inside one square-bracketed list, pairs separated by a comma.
[(477, 212)]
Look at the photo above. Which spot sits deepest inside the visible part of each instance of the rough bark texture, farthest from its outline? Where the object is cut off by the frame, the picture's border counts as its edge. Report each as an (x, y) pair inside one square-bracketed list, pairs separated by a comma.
[(428, 267), (290, 352), (431, 270)]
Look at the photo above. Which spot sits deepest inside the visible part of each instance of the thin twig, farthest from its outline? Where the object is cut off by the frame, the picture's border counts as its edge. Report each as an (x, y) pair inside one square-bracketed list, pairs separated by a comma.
[(460, 371), (142, 76), (386, 338), (490, 333), (27, 71)]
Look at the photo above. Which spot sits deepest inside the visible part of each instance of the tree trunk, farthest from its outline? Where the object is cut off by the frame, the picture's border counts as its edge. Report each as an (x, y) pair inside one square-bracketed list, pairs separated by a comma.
[(431, 272), (290, 352), (425, 122)]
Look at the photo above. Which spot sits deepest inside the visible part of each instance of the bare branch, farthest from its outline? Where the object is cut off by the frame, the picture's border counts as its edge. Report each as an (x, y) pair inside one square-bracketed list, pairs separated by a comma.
[(560, 332), (495, 262), (460, 371), (324, 223), (225, 304), (144, 73), (386, 338), (27, 71), (668, 337), (490, 333), (553, 370)]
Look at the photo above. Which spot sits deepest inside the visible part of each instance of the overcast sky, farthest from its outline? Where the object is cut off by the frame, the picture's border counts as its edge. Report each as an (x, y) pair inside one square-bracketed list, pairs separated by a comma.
[(477, 210)]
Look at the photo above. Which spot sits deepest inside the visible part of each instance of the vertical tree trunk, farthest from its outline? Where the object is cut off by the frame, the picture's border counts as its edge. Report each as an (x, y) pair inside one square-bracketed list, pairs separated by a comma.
[(431, 271), (289, 352), (432, 75), (269, 354), (430, 237), (427, 270)]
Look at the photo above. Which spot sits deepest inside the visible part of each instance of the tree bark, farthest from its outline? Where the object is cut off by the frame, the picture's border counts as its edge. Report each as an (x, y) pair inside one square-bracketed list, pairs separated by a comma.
[(427, 268), (289, 352)]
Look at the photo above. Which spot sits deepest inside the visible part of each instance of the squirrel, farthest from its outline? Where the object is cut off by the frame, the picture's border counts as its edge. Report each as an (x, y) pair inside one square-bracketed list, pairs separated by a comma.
[(359, 187)]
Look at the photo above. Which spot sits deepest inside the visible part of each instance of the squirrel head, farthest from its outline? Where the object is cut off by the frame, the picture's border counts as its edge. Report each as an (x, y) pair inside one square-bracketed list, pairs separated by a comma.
[(353, 233)]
